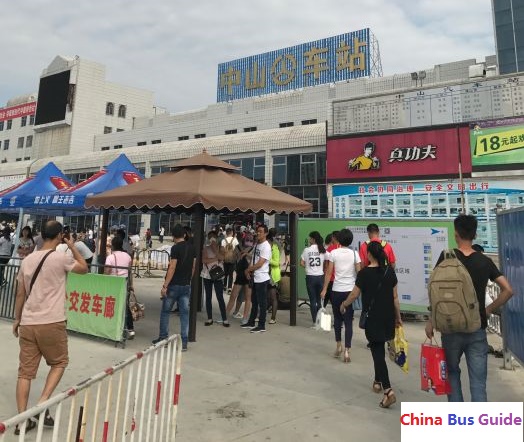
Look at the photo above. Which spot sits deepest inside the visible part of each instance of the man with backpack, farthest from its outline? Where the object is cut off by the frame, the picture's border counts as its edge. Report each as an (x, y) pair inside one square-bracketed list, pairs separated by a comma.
[(457, 293), (374, 235), (229, 250)]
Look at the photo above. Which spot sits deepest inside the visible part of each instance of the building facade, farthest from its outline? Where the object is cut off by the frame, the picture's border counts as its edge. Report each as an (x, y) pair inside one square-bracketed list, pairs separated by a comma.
[(508, 23)]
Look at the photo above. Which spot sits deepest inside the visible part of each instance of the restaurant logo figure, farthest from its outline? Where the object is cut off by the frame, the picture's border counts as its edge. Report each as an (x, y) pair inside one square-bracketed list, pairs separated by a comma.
[(366, 161)]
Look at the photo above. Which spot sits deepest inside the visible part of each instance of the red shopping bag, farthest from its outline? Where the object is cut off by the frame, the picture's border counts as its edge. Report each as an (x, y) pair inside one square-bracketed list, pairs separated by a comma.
[(434, 369)]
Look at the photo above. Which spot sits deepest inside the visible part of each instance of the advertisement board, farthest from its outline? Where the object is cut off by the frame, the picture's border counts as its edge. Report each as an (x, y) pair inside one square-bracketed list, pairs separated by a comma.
[(417, 245), (22, 110), (375, 156), (95, 305), (497, 143), (328, 60), (482, 197)]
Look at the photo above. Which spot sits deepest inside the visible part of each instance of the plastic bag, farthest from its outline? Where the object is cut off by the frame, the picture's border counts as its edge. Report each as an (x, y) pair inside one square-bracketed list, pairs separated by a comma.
[(398, 350), (323, 320), (433, 369)]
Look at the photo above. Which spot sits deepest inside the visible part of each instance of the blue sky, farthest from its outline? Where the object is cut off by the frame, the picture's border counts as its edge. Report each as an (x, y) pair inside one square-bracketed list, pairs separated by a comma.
[(173, 48)]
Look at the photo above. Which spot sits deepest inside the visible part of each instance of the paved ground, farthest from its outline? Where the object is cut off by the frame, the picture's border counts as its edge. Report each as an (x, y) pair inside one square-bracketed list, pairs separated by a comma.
[(280, 385)]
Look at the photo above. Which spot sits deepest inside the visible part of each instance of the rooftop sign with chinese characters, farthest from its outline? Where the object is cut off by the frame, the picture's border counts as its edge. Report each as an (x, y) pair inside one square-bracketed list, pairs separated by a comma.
[(329, 60), (387, 156)]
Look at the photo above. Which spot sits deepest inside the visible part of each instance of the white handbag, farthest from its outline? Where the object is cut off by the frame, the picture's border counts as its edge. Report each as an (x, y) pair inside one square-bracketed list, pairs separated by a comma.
[(323, 320)]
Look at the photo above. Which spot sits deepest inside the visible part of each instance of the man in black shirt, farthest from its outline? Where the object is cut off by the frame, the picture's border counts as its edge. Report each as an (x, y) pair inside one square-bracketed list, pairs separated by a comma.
[(473, 345), (176, 286)]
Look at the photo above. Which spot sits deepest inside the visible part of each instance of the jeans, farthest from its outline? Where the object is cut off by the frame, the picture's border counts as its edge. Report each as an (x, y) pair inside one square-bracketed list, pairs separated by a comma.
[(314, 286), (229, 268), (259, 300), (347, 318), (219, 292), (180, 295), (378, 353), (475, 347)]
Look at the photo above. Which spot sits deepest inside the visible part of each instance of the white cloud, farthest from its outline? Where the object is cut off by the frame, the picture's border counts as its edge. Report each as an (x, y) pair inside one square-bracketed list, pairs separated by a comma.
[(174, 50)]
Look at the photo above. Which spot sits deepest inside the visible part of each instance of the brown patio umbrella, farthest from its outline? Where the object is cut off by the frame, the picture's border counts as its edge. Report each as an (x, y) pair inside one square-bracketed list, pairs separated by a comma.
[(203, 184)]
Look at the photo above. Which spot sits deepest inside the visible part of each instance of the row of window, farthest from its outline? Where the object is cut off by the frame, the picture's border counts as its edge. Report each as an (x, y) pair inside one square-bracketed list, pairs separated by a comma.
[(18, 159), (28, 141), (108, 130), (110, 109), (8, 124)]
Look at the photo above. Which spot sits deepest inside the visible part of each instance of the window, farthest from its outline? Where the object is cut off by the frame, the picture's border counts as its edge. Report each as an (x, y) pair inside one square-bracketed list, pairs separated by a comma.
[(20, 144), (250, 129), (27, 158), (200, 136), (6, 144), (141, 143), (120, 130), (9, 124), (19, 159), (31, 120), (105, 148), (110, 109), (313, 121), (23, 121), (108, 130), (156, 141), (252, 168), (1, 125), (288, 124), (122, 111), (4, 160), (184, 137), (231, 131), (118, 146)]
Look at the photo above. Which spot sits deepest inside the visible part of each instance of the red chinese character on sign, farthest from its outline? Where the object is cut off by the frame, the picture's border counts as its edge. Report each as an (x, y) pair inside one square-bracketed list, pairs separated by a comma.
[(380, 189), (109, 307), (484, 186), (410, 188), (439, 187), (371, 189), (86, 301), (400, 189), (450, 186), (472, 186), (461, 186), (97, 305), (390, 189), (361, 189), (428, 187), (73, 300)]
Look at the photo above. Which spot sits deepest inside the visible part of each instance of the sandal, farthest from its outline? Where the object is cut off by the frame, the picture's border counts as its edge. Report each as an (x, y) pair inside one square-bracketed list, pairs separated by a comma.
[(347, 359), (31, 425), (208, 322), (389, 399), (377, 386), (338, 352)]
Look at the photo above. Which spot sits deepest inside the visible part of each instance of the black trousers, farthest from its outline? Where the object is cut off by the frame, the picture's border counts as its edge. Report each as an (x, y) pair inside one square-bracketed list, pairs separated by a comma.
[(229, 268), (378, 353)]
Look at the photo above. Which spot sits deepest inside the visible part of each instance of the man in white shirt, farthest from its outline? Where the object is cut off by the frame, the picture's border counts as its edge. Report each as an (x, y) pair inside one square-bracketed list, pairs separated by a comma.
[(258, 272)]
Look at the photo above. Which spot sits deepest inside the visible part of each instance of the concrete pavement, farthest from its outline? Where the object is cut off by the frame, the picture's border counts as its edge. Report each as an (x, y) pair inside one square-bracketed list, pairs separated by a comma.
[(279, 385)]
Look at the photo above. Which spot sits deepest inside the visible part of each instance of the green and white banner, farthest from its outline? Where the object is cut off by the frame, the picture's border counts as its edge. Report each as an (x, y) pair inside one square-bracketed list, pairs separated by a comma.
[(95, 305)]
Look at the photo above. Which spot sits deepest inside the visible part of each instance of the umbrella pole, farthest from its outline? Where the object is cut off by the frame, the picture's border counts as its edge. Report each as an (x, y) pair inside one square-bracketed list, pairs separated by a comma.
[(293, 268), (196, 285), (102, 250)]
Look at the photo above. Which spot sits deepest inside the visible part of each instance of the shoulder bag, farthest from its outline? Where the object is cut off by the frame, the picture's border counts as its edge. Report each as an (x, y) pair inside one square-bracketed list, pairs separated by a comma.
[(37, 271), (357, 303), (365, 313)]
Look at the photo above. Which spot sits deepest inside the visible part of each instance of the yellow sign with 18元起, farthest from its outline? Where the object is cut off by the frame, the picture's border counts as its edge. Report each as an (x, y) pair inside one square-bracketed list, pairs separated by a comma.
[(493, 146)]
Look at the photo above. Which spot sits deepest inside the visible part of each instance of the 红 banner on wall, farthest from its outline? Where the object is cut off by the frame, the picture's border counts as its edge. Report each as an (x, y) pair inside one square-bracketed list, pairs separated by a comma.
[(497, 143), (385, 156), (338, 58)]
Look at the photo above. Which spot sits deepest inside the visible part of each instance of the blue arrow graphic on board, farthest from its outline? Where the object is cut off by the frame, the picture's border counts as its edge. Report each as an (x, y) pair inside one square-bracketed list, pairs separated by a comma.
[(435, 231)]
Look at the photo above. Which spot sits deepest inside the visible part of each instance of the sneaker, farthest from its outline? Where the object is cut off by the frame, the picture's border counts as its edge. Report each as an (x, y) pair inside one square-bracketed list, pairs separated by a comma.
[(157, 340), (219, 321), (272, 321), (226, 324), (247, 324), (48, 420), (238, 315), (130, 334), (243, 322), (184, 346), (257, 330)]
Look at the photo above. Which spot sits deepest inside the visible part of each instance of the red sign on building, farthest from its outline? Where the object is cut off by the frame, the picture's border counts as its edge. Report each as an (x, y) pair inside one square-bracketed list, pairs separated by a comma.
[(22, 110), (407, 154)]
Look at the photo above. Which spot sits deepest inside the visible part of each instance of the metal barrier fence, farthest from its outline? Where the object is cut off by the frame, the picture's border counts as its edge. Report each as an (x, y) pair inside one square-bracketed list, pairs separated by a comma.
[(494, 321), (136, 399), (148, 260), (9, 287)]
